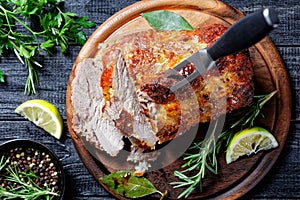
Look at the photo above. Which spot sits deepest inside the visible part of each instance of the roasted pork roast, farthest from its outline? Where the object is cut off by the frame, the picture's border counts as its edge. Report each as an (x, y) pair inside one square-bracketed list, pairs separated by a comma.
[(122, 91)]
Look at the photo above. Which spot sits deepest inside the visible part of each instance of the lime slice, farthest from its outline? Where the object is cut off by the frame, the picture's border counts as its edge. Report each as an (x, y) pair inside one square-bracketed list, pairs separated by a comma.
[(249, 141), (43, 114)]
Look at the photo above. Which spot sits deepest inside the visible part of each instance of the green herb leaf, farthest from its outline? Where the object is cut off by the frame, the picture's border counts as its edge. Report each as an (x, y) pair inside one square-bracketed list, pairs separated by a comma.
[(2, 76), (166, 20), (24, 52), (47, 45), (126, 184), (56, 27)]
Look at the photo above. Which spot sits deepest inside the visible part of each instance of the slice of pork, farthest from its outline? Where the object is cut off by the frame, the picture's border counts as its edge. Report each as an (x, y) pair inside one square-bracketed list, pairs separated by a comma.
[(88, 104)]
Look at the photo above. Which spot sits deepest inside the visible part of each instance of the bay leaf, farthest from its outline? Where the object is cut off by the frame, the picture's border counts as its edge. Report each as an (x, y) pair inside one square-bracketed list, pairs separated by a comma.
[(126, 184), (166, 20)]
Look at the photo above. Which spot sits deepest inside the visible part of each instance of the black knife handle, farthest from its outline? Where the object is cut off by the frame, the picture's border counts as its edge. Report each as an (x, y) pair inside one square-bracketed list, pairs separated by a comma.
[(244, 33)]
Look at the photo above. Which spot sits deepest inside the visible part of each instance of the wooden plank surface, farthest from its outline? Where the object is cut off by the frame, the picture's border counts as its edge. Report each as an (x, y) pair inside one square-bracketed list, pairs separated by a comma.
[(282, 182)]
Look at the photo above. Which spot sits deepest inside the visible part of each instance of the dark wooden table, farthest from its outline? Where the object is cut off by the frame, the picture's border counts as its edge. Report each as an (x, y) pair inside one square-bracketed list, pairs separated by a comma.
[(282, 182)]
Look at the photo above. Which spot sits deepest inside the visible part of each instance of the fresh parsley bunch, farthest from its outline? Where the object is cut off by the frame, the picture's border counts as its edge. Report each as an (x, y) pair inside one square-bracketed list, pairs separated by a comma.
[(55, 27)]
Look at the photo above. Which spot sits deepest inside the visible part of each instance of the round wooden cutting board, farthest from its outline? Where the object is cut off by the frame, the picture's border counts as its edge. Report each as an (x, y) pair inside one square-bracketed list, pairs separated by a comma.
[(234, 180)]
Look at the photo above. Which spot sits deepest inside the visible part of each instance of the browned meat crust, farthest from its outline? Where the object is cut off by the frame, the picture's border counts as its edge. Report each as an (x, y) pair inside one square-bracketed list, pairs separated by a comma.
[(148, 55)]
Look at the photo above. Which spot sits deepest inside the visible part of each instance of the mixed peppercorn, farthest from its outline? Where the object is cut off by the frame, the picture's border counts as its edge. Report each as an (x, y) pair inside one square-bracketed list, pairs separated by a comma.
[(32, 166)]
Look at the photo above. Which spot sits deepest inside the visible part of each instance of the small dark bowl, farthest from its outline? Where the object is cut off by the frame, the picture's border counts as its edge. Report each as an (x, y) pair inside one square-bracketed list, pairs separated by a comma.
[(6, 147)]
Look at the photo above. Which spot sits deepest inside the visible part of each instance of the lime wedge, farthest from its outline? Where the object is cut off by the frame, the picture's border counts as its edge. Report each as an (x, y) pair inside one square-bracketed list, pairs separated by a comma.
[(249, 141), (43, 114)]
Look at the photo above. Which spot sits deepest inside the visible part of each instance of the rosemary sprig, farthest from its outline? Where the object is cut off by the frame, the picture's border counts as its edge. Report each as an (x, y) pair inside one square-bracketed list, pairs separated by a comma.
[(25, 187), (3, 163), (205, 158), (243, 119), (208, 149)]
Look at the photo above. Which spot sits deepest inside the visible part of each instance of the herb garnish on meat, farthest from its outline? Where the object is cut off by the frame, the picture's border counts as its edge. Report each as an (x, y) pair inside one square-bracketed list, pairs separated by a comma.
[(207, 150), (205, 158)]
